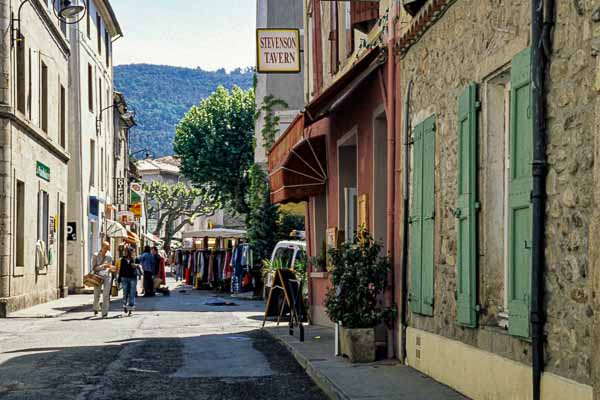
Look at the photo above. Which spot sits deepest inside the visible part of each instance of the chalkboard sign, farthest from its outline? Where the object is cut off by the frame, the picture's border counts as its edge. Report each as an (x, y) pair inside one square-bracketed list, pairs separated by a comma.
[(286, 297)]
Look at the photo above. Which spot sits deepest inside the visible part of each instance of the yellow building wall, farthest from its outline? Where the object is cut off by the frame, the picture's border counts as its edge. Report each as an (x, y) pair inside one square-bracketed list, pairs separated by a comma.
[(481, 375)]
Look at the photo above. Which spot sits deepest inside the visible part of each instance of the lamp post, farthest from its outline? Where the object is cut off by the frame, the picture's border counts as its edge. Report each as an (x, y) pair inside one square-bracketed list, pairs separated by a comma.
[(68, 13)]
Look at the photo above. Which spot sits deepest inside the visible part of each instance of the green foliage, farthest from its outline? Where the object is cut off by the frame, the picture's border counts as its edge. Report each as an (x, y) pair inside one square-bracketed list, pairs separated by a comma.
[(359, 276), (175, 206), (161, 95), (319, 262), (287, 223), (271, 120), (262, 218), (214, 143)]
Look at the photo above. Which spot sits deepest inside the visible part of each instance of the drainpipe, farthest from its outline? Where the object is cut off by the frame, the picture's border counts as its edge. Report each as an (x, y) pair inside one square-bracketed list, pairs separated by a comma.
[(542, 16), (6, 151), (405, 230), (391, 166)]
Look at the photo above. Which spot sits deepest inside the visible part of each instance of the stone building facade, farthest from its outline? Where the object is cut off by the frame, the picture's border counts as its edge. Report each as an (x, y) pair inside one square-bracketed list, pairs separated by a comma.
[(34, 151), (91, 171), (477, 55)]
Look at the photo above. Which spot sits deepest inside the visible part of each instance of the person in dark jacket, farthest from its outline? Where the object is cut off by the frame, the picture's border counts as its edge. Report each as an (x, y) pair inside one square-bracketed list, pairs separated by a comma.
[(148, 261), (128, 276)]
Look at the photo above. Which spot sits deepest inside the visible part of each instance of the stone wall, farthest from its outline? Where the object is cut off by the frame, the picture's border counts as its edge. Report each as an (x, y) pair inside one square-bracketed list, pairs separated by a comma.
[(471, 42)]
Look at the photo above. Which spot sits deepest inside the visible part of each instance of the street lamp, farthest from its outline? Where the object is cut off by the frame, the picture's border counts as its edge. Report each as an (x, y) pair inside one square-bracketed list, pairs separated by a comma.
[(66, 14), (127, 114), (139, 151)]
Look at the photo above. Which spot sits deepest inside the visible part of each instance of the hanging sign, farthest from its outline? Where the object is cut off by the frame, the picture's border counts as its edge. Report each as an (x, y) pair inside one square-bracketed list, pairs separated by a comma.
[(120, 191), (277, 50), (136, 192), (125, 218), (71, 231), (136, 209)]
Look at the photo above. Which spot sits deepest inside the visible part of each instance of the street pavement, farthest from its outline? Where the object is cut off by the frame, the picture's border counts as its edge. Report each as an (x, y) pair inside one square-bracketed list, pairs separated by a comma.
[(177, 347)]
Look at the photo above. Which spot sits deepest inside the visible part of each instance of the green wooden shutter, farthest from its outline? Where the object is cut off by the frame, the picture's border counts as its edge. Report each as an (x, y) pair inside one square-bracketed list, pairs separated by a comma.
[(466, 212), (416, 221), (519, 197), (428, 216)]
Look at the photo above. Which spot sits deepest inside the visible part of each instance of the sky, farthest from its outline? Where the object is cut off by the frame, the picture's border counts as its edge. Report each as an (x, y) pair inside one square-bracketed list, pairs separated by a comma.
[(210, 34)]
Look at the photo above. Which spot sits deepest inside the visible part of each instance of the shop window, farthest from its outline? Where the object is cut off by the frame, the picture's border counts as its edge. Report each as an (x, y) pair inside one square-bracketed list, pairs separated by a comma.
[(63, 117), (44, 96), (20, 224), (90, 88), (21, 94)]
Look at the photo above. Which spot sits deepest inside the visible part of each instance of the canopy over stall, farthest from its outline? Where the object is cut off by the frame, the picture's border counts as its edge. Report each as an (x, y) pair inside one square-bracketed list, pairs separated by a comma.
[(216, 233)]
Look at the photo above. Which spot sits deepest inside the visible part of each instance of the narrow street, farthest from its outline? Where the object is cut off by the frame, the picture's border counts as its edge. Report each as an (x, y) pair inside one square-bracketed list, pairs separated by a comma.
[(177, 347)]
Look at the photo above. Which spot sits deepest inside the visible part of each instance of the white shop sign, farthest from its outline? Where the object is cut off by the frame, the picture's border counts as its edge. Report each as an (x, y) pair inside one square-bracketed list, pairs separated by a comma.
[(277, 50)]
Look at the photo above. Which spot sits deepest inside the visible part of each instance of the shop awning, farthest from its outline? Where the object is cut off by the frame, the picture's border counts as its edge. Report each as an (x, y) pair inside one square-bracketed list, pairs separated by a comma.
[(115, 230), (297, 162), (215, 233), (133, 238), (154, 239), (345, 85)]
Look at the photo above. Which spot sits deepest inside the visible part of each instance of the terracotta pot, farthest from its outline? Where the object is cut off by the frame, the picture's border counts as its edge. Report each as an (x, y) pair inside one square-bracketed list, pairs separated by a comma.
[(358, 344)]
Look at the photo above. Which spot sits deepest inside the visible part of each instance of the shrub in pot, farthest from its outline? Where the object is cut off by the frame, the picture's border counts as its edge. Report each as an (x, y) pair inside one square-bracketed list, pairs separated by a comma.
[(359, 276)]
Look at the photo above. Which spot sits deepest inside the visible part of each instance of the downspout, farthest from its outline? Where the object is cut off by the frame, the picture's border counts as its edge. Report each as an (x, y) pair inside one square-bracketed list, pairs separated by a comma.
[(542, 19), (391, 166), (405, 222), (6, 150)]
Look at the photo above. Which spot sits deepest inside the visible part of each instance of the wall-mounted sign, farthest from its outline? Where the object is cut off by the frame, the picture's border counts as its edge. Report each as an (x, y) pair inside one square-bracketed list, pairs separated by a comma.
[(136, 192), (71, 231), (42, 171), (120, 191), (277, 50), (126, 218)]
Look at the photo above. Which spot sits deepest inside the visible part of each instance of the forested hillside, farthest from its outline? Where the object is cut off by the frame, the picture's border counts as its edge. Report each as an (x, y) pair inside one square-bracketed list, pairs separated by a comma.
[(161, 95)]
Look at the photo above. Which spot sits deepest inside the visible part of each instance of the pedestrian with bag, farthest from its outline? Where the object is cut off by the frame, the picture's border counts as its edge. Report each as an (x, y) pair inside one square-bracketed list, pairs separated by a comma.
[(148, 262), (128, 277), (102, 267)]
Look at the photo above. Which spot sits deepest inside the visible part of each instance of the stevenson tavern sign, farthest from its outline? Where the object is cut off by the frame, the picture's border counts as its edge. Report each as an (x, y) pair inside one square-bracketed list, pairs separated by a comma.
[(278, 50)]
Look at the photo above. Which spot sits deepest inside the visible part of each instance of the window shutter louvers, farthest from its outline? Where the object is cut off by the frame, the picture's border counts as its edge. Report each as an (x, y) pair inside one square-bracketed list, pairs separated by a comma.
[(519, 199), (422, 219), (466, 212)]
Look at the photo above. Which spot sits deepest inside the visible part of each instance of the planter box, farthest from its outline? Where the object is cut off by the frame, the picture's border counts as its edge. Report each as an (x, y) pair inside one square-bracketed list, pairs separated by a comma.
[(358, 344)]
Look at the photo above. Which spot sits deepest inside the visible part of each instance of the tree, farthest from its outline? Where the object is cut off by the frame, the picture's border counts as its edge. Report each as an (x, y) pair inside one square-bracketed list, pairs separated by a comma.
[(214, 142), (175, 206), (271, 120), (262, 218)]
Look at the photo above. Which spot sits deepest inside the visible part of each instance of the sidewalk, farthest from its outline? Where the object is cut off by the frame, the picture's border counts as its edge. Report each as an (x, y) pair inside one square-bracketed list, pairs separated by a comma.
[(341, 380), (55, 308)]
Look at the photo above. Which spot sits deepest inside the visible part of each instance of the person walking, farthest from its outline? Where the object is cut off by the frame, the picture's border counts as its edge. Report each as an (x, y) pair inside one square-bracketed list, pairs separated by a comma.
[(102, 266), (148, 262), (128, 276)]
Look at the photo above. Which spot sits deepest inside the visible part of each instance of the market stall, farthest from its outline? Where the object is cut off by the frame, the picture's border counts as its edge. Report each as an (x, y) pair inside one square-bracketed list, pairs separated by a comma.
[(215, 259)]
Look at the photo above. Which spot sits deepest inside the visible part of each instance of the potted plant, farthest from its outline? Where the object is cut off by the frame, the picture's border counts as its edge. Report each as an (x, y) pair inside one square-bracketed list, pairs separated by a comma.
[(359, 276)]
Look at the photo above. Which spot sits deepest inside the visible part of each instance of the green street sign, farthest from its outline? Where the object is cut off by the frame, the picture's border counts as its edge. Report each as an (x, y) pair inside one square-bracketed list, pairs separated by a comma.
[(42, 171)]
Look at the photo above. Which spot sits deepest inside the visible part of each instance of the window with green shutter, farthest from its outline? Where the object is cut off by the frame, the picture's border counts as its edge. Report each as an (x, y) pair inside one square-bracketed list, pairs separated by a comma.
[(466, 211), (519, 196), (422, 218)]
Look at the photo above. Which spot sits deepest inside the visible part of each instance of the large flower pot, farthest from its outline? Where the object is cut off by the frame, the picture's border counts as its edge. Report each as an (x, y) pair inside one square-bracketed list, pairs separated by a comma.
[(358, 344)]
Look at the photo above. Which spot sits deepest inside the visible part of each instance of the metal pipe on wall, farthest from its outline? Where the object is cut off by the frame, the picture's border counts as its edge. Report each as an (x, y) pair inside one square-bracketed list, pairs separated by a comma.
[(405, 231), (391, 167), (542, 16)]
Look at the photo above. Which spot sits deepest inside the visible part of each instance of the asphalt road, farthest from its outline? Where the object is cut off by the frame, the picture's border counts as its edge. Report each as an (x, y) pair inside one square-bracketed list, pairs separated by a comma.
[(176, 347)]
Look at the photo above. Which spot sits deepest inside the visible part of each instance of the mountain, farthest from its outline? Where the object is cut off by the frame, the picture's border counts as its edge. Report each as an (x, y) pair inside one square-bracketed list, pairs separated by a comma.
[(161, 95)]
